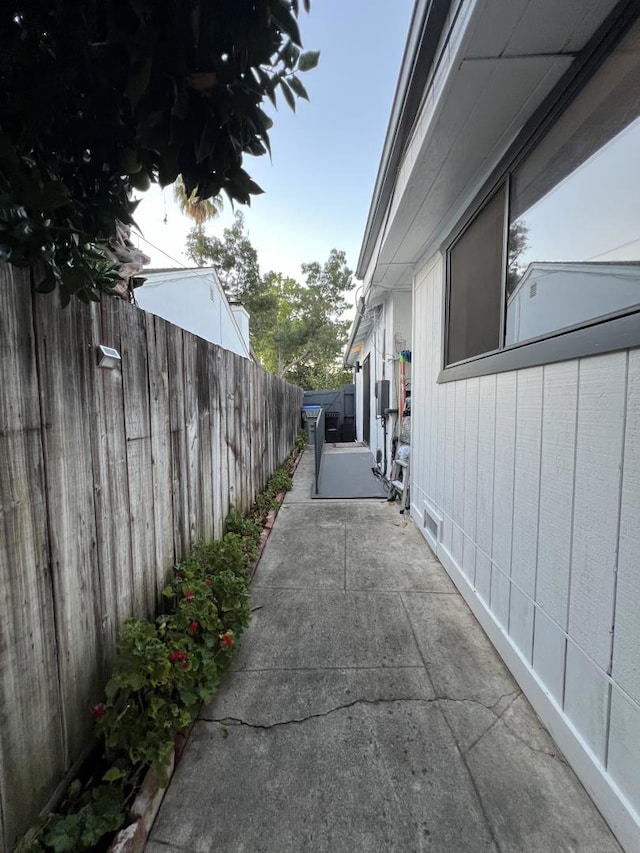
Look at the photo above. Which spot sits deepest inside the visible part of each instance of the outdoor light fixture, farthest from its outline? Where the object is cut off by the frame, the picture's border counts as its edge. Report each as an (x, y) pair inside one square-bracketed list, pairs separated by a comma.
[(108, 357)]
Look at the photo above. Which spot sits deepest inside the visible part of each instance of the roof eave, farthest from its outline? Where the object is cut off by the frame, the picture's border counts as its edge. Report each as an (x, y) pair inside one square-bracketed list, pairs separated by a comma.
[(425, 30)]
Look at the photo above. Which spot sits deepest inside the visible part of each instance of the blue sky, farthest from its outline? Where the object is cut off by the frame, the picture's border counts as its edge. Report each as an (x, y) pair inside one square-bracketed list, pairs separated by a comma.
[(325, 157)]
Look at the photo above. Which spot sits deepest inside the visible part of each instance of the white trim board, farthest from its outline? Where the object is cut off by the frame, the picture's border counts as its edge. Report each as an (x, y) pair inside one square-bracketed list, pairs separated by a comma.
[(615, 808)]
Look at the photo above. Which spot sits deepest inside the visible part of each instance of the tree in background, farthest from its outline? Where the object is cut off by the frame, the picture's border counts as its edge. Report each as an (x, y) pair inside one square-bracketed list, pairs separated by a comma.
[(201, 210), (100, 98), (296, 330)]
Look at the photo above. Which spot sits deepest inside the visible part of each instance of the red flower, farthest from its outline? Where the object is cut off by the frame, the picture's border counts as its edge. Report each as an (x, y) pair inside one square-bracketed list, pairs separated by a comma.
[(189, 594), (176, 657), (227, 639), (194, 627), (96, 712), (209, 582), (184, 664), (180, 576)]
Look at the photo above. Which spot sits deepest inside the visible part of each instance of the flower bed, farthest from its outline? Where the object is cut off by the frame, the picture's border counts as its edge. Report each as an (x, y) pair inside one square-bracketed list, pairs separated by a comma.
[(162, 672)]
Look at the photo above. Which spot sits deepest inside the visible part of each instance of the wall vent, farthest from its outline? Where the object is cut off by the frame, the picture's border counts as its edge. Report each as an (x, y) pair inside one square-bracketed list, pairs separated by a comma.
[(432, 524), (533, 289)]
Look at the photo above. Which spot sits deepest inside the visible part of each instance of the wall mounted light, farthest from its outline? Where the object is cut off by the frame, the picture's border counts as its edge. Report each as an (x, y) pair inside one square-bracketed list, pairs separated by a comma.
[(108, 357)]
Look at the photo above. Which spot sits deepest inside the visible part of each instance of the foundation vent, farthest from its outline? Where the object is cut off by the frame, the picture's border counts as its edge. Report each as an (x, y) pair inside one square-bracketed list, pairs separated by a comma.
[(432, 524)]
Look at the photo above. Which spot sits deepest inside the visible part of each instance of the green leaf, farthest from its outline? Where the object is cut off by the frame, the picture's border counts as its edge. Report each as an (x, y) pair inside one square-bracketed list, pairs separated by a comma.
[(308, 60), (113, 774), (298, 88), (288, 94), (64, 834)]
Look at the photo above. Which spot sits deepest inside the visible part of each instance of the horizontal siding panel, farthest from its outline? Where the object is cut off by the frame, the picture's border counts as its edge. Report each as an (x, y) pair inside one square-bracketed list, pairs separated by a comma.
[(624, 746), (527, 479), (560, 402), (521, 622), (586, 700), (601, 405), (504, 468), (549, 654), (626, 651)]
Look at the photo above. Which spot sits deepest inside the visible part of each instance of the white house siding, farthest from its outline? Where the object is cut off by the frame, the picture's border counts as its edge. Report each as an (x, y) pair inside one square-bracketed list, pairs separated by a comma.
[(535, 477)]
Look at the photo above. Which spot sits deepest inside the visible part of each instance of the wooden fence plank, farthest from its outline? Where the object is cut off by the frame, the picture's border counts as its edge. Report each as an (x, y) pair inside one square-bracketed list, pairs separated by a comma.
[(111, 484), (31, 742), (192, 444), (160, 449), (65, 354), (138, 429), (180, 491), (205, 461), (215, 436)]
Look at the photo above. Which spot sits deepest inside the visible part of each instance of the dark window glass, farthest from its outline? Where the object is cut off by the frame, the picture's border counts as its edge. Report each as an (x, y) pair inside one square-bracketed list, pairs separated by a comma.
[(476, 266), (574, 233)]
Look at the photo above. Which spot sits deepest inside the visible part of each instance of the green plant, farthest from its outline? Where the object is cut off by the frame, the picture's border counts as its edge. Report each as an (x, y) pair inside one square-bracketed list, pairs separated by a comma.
[(161, 673), (300, 443), (280, 481), (98, 99)]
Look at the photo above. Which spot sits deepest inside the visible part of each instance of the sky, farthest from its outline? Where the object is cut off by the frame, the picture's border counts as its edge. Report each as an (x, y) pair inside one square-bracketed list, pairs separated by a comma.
[(325, 156)]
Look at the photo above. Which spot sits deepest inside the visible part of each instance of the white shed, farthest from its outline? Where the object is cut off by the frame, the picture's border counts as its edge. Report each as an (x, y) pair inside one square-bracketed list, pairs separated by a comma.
[(195, 300)]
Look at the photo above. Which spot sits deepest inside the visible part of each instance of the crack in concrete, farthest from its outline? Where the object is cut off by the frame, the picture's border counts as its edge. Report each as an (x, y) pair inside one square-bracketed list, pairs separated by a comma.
[(236, 721), (550, 753), (495, 722)]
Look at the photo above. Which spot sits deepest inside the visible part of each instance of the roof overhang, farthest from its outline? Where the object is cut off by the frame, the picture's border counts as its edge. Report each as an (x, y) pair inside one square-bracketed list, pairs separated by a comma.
[(459, 108), (425, 30)]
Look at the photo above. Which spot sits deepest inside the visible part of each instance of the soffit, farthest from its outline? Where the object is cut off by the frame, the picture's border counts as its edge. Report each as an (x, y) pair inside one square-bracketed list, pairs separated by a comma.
[(502, 59)]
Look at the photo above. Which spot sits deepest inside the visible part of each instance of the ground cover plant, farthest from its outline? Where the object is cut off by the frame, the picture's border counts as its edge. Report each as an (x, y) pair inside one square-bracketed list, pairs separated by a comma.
[(162, 672)]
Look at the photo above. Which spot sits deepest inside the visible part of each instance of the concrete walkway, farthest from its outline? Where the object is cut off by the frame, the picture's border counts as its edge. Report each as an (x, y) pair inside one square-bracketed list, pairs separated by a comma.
[(367, 712)]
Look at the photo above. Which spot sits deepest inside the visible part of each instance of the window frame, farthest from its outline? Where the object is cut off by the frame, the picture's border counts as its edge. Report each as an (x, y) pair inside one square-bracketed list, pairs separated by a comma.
[(607, 333)]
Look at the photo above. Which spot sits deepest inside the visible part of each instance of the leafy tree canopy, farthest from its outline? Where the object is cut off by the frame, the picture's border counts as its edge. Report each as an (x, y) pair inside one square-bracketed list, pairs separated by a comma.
[(97, 99), (296, 329)]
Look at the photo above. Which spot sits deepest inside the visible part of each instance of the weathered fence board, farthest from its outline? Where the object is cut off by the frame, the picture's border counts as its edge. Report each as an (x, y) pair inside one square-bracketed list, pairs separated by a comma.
[(65, 371), (111, 488), (135, 375), (106, 478), (161, 465), (29, 684)]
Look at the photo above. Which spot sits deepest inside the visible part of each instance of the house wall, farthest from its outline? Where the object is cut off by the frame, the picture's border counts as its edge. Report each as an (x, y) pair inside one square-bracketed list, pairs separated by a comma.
[(196, 302), (390, 333), (534, 479), (106, 479)]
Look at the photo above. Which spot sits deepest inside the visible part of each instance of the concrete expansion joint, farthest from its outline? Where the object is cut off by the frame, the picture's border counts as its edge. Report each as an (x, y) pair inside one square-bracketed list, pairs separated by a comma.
[(236, 721), (515, 695)]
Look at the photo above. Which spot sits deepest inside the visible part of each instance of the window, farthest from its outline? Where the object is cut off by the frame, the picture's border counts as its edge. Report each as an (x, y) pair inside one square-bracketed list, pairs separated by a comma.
[(475, 291), (572, 253)]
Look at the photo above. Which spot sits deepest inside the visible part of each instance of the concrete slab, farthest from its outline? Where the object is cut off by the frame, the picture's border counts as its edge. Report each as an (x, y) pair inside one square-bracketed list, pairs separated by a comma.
[(368, 719), (365, 778), (299, 557), (457, 654), (392, 556), (348, 475), (532, 798), (314, 628), (343, 512), (276, 696)]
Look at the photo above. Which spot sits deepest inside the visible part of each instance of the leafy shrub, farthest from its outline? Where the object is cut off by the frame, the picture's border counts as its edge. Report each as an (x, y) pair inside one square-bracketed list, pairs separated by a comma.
[(98, 99), (163, 670)]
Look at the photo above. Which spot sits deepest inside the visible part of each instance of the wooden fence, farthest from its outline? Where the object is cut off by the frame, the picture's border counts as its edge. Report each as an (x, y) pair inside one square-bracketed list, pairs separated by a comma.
[(106, 477)]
